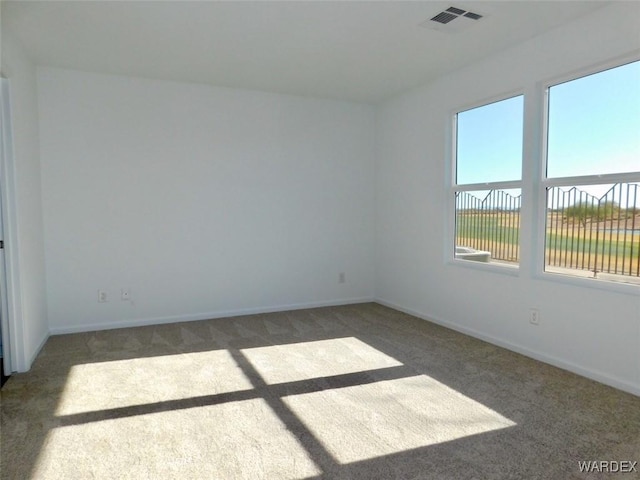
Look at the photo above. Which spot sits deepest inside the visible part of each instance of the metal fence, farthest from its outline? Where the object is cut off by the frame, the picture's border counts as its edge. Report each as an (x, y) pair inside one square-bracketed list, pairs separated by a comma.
[(489, 221), (583, 231), (598, 234)]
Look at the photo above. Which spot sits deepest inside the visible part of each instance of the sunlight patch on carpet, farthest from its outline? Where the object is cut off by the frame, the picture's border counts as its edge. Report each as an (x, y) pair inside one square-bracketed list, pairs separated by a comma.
[(139, 381), (367, 421), (243, 439), (309, 360)]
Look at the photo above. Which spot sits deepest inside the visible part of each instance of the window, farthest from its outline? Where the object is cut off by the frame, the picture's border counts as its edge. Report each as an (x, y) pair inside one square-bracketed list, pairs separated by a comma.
[(592, 180), (587, 217), (487, 182)]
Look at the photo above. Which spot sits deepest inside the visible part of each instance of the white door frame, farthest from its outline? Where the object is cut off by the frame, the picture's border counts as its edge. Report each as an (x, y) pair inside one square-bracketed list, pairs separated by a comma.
[(11, 301)]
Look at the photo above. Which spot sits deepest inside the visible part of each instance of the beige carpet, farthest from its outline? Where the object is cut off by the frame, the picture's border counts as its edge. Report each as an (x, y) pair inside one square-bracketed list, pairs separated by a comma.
[(359, 391)]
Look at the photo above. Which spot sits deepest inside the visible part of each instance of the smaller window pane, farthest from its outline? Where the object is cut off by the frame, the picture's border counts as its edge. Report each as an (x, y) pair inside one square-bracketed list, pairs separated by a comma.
[(489, 142), (488, 226), (594, 124), (594, 231)]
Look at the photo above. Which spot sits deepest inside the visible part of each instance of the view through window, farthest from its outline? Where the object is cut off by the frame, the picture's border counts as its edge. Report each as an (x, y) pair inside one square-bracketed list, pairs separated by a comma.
[(590, 182), (593, 176), (488, 182)]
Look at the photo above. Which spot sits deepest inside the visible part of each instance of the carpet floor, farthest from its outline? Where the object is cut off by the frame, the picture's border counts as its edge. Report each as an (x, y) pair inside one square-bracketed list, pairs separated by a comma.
[(358, 391)]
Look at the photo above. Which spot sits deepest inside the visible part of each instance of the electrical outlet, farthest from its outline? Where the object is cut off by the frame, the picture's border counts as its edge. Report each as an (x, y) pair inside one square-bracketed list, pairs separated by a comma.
[(342, 277), (125, 294), (534, 316), (102, 296)]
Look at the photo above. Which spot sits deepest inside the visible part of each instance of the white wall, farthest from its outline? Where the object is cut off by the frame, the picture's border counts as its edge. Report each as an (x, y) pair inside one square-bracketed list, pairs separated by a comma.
[(594, 332), (203, 201), (24, 228)]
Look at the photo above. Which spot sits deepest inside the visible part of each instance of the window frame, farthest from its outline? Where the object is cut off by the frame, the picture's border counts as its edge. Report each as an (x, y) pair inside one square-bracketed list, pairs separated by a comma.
[(533, 182), (454, 187), (543, 182)]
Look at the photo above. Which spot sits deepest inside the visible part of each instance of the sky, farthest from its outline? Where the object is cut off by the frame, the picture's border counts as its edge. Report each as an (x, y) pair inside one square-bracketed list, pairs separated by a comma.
[(489, 142), (594, 128), (594, 124)]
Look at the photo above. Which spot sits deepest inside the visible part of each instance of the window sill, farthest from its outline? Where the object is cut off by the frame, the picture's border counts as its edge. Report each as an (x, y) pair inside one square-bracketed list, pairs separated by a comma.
[(493, 266), (606, 282)]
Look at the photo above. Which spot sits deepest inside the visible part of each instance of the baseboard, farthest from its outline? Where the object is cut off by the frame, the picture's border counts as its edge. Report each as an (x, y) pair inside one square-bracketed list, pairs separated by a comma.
[(142, 322), (536, 355), (37, 351)]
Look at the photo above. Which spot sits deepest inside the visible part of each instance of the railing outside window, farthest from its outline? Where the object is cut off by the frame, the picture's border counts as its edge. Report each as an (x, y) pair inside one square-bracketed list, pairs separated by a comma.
[(599, 234), (594, 233), (489, 222)]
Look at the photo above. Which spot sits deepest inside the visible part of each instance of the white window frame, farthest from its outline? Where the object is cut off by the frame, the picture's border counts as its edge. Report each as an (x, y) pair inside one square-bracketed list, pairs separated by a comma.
[(534, 182), (543, 182), (454, 187)]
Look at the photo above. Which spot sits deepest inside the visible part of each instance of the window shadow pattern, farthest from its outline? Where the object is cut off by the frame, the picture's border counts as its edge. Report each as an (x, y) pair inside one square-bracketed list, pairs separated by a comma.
[(555, 418)]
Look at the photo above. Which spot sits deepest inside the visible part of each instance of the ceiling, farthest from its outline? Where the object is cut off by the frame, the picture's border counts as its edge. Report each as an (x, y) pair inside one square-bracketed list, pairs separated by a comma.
[(349, 50)]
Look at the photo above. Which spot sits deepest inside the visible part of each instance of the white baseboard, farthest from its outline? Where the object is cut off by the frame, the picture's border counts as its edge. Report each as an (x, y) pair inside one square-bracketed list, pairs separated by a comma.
[(540, 356), (34, 354), (142, 322)]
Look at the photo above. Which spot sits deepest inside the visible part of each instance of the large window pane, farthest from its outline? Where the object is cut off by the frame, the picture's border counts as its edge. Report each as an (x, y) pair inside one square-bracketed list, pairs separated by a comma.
[(489, 142), (488, 226), (594, 130), (594, 124), (594, 231)]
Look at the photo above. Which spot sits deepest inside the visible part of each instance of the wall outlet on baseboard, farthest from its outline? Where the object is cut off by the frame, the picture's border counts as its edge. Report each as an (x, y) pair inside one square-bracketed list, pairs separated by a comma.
[(534, 316), (102, 296)]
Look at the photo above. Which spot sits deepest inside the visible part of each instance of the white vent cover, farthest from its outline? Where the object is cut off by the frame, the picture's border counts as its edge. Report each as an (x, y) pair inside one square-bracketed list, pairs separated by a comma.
[(453, 19)]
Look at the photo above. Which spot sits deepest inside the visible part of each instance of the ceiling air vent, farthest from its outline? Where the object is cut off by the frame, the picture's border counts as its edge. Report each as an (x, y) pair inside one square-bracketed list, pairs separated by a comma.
[(453, 19), (473, 16), (444, 17), (457, 11)]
